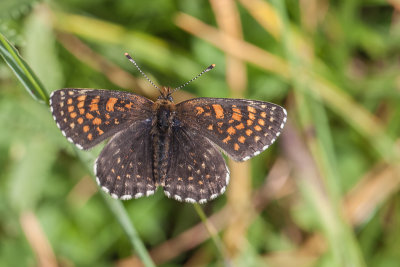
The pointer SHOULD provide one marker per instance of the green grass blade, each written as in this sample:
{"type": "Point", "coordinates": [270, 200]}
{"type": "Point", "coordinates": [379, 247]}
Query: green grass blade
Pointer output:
{"type": "Point", "coordinates": [21, 69]}
{"type": "Point", "coordinates": [214, 234]}
{"type": "Point", "coordinates": [121, 215]}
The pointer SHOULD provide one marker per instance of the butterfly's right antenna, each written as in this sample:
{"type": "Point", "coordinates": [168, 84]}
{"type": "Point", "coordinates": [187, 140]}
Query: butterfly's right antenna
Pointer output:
{"type": "Point", "coordinates": [201, 73]}
{"type": "Point", "coordinates": [144, 74]}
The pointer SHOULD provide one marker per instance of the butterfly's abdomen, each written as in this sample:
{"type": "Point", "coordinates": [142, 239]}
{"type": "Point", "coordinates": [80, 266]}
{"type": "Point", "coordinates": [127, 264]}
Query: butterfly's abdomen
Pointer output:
{"type": "Point", "coordinates": [161, 132]}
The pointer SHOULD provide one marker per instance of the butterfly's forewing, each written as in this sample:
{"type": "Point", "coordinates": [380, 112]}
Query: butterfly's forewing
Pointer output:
{"type": "Point", "coordinates": [87, 117]}
{"type": "Point", "coordinates": [242, 128]}
{"type": "Point", "coordinates": [124, 167]}
{"type": "Point", "coordinates": [197, 171]}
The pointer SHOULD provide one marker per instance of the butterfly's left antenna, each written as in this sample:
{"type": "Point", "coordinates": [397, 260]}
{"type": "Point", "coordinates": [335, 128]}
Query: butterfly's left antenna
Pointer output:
{"type": "Point", "coordinates": [201, 73]}
{"type": "Point", "coordinates": [144, 74]}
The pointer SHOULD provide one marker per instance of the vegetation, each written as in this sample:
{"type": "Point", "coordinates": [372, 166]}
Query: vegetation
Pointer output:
{"type": "Point", "coordinates": [325, 194]}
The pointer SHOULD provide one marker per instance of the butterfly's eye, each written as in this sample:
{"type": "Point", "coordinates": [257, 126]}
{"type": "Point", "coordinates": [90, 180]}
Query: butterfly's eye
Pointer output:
{"type": "Point", "coordinates": [170, 98]}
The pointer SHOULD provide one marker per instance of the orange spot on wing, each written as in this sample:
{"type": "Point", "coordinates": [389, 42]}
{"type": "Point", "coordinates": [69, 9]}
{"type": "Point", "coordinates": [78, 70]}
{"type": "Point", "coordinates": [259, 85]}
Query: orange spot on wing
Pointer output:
{"type": "Point", "coordinates": [210, 127]}
{"type": "Point", "coordinates": [226, 139]}
{"type": "Point", "coordinates": [236, 146]}
{"type": "Point", "coordinates": [237, 116]}
{"type": "Point", "coordinates": [69, 101]}
{"type": "Point", "coordinates": [107, 116]}
{"type": "Point", "coordinates": [257, 138]}
{"type": "Point", "coordinates": [95, 100]}
{"type": "Point", "coordinates": [96, 121]}
{"type": "Point", "coordinates": [81, 104]}
{"type": "Point", "coordinates": [73, 115]}
{"type": "Point", "coordinates": [252, 116]}
{"type": "Point", "coordinates": [70, 108]}
{"type": "Point", "coordinates": [261, 122]}
{"type": "Point", "coordinates": [80, 120]}
{"type": "Point", "coordinates": [236, 110]}
{"type": "Point", "coordinates": [129, 106]}
{"type": "Point", "coordinates": [251, 109]}
{"type": "Point", "coordinates": [219, 111]}
{"type": "Point", "coordinates": [89, 116]}
{"type": "Point", "coordinates": [110, 103]}
{"type": "Point", "coordinates": [81, 98]}
{"type": "Point", "coordinates": [257, 128]}
{"type": "Point", "coordinates": [263, 114]}
{"type": "Point", "coordinates": [231, 131]}
{"type": "Point", "coordinates": [93, 104]}
{"type": "Point", "coordinates": [81, 111]}
{"type": "Point", "coordinates": [241, 139]}
{"type": "Point", "coordinates": [240, 126]}
{"type": "Point", "coordinates": [249, 122]}
{"type": "Point", "coordinates": [90, 137]}
{"type": "Point", "coordinates": [249, 132]}
{"type": "Point", "coordinates": [93, 107]}
{"type": "Point", "coordinates": [220, 124]}
{"type": "Point", "coordinates": [199, 110]}
{"type": "Point", "coordinates": [86, 129]}
{"type": "Point", "coordinates": [99, 130]}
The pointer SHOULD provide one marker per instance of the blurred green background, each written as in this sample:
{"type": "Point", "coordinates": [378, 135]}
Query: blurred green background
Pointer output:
{"type": "Point", "coordinates": [326, 194]}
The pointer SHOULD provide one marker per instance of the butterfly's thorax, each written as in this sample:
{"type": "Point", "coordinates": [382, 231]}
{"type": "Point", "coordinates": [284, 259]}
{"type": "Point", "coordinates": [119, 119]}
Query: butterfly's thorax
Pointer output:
{"type": "Point", "coordinates": [161, 132]}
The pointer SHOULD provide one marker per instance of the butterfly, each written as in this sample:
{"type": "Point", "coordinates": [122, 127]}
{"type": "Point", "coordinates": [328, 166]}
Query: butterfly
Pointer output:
{"type": "Point", "coordinates": [160, 143]}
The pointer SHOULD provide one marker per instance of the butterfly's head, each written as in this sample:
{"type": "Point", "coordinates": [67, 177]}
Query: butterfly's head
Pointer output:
{"type": "Point", "coordinates": [166, 93]}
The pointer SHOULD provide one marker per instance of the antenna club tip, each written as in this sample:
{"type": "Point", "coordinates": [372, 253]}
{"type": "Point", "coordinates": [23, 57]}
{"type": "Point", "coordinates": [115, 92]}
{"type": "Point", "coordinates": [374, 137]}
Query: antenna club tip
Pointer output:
{"type": "Point", "coordinates": [210, 67]}
{"type": "Point", "coordinates": [127, 55]}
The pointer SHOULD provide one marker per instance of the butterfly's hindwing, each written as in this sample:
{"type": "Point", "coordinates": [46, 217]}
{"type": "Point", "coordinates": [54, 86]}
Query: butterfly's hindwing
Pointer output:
{"type": "Point", "coordinates": [123, 168]}
{"type": "Point", "coordinates": [197, 171]}
{"type": "Point", "coordinates": [86, 116]}
{"type": "Point", "coordinates": [242, 128]}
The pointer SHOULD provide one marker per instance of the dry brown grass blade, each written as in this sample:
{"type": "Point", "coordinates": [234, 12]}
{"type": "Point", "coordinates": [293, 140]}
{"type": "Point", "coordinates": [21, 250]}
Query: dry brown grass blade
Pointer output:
{"type": "Point", "coordinates": [113, 72]}
{"type": "Point", "coordinates": [373, 189]}
{"type": "Point", "coordinates": [254, 55]}
{"type": "Point", "coordinates": [265, 15]}
{"type": "Point", "coordinates": [395, 4]}
{"type": "Point", "coordinates": [277, 185]}
{"type": "Point", "coordinates": [185, 241]}
{"type": "Point", "coordinates": [82, 191]}
{"type": "Point", "coordinates": [239, 193]}
{"type": "Point", "coordinates": [38, 240]}
{"type": "Point", "coordinates": [289, 259]}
